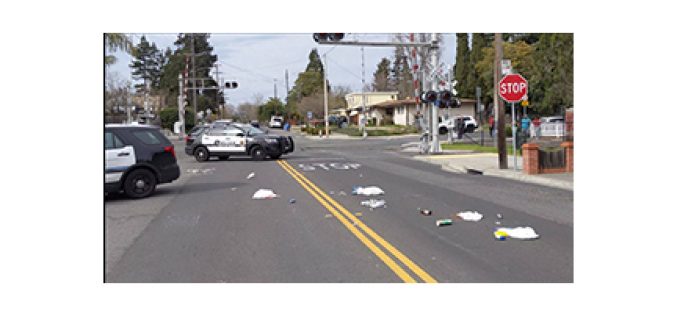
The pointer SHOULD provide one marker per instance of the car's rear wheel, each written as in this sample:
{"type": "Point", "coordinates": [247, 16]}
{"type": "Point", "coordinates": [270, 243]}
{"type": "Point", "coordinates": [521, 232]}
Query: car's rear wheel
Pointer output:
{"type": "Point", "coordinates": [140, 183]}
{"type": "Point", "coordinates": [258, 153]}
{"type": "Point", "coordinates": [201, 154]}
{"type": "Point", "coordinates": [443, 130]}
{"type": "Point", "coordinates": [276, 156]}
{"type": "Point", "coordinates": [470, 129]}
{"type": "Point", "coordinates": [223, 157]}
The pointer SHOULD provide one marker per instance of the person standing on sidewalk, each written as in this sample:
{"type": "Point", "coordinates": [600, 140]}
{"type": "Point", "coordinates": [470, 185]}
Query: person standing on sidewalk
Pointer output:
{"type": "Point", "coordinates": [537, 126]}
{"type": "Point", "coordinates": [525, 125]}
{"type": "Point", "coordinates": [491, 126]}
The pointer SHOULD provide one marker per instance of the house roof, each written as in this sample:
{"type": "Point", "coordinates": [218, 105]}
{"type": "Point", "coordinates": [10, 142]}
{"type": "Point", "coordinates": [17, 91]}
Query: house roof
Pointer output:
{"type": "Point", "coordinates": [395, 103]}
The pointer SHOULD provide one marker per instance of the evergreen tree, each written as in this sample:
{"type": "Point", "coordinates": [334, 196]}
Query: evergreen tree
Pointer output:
{"type": "Point", "coordinates": [382, 79]}
{"type": "Point", "coordinates": [204, 61]}
{"type": "Point", "coordinates": [402, 77]}
{"type": "Point", "coordinates": [462, 67]}
{"type": "Point", "coordinates": [552, 77]}
{"type": "Point", "coordinates": [308, 83]}
{"type": "Point", "coordinates": [145, 66]}
{"type": "Point", "coordinates": [475, 78]}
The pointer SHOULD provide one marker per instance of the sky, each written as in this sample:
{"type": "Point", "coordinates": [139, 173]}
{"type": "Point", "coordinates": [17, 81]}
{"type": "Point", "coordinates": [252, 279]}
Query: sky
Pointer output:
{"type": "Point", "coordinates": [258, 61]}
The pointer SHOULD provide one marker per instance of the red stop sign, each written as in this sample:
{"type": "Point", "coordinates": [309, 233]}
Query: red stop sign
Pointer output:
{"type": "Point", "coordinates": [513, 87]}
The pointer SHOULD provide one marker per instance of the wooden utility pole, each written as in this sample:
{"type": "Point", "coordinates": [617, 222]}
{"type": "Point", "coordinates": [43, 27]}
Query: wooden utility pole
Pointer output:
{"type": "Point", "coordinates": [499, 110]}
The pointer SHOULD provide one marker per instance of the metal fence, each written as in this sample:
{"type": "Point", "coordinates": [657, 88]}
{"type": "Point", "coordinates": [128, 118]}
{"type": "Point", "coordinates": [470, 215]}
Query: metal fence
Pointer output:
{"type": "Point", "coordinates": [550, 129]}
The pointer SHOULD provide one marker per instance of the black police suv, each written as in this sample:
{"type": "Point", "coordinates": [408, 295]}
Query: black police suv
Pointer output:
{"type": "Point", "coordinates": [138, 157]}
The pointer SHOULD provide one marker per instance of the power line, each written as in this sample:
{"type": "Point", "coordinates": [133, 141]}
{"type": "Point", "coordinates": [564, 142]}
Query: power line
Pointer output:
{"type": "Point", "coordinates": [345, 69]}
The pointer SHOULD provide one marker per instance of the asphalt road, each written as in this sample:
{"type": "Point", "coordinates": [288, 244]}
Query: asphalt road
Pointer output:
{"type": "Point", "coordinates": [206, 228]}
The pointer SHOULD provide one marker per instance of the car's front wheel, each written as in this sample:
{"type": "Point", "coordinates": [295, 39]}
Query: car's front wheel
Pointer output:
{"type": "Point", "coordinates": [443, 130]}
{"type": "Point", "coordinates": [140, 183]}
{"type": "Point", "coordinates": [201, 154]}
{"type": "Point", "coordinates": [258, 153]}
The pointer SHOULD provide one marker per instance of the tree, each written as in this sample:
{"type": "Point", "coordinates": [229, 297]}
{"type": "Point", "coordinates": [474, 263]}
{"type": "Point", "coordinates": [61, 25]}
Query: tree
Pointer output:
{"type": "Point", "coordinates": [146, 66]}
{"type": "Point", "coordinates": [462, 67]}
{"type": "Point", "coordinates": [520, 55]}
{"type": "Point", "coordinates": [337, 97]}
{"type": "Point", "coordinates": [552, 76]}
{"type": "Point", "coordinates": [382, 79]}
{"type": "Point", "coordinates": [114, 42]}
{"type": "Point", "coordinates": [403, 79]}
{"type": "Point", "coordinates": [116, 95]}
{"type": "Point", "coordinates": [175, 63]}
{"type": "Point", "coordinates": [475, 78]}
{"type": "Point", "coordinates": [309, 82]}
{"type": "Point", "coordinates": [274, 106]}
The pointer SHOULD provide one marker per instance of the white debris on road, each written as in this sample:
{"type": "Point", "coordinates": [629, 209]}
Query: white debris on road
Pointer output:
{"type": "Point", "coordinates": [367, 191]}
{"type": "Point", "coordinates": [518, 233]}
{"type": "Point", "coordinates": [372, 203]}
{"type": "Point", "coordinates": [263, 194]}
{"type": "Point", "coordinates": [251, 175]}
{"type": "Point", "coordinates": [470, 216]}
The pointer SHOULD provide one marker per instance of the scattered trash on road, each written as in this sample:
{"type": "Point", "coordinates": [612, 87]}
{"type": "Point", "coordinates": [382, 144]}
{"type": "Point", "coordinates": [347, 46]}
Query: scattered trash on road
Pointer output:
{"type": "Point", "coordinates": [367, 191]}
{"type": "Point", "coordinates": [331, 192]}
{"type": "Point", "coordinates": [372, 203]}
{"type": "Point", "coordinates": [358, 214]}
{"type": "Point", "coordinates": [470, 216]}
{"type": "Point", "coordinates": [292, 201]}
{"type": "Point", "coordinates": [233, 189]}
{"type": "Point", "coordinates": [499, 216]}
{"type": "Point", "coordinates": [502, 233]}
{"type": "Point", "coordinates": [251, 175]}
{"type": "Point", "coordinates": [498, 223]}
{"type": "Point", "coordinates": [341, 193]}
{"type": "Point", "coordinates": [327, 215]}
{"type": "Point", "coordinates": [264, 194]}
{"type": "Point", "coordinates": [425, 212]}
{"type": "Point", "coordinates": [444, 222]}
{"type": "Point", "coordinates": [360, 175]}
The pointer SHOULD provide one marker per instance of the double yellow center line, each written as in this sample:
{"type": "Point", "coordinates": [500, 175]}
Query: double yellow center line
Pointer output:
{"type": "Point", "coordinates": [361, 231]}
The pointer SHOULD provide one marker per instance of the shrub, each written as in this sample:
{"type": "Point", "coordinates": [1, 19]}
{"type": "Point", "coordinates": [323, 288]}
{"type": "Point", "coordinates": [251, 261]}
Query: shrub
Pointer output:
{"type": "Point", "coordinates": [170, 115]}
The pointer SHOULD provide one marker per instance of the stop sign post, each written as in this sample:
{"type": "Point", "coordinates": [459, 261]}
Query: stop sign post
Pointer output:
{"type": "Point", "coordinates": [513, 88]}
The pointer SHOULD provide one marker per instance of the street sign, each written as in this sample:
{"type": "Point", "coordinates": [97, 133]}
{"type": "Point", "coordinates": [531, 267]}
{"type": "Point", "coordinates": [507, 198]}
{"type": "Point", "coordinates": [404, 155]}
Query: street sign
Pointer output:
{"type": "Point", "coordinates": [506, 66]}
{"type": "Point", "coordinates": [525, 102]}
{"type": "Point", "coordinates": [310, 115]}
{"type": "Point", "coordinates": [512, 88]}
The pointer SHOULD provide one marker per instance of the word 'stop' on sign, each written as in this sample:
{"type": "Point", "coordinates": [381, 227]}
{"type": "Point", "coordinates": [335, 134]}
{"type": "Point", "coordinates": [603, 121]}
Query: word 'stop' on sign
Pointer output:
{"type": "Point", "coordinates": [513, 88]}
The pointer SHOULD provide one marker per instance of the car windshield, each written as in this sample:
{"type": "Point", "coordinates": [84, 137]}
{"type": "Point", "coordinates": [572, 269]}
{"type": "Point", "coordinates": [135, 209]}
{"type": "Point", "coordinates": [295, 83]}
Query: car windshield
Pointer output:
{"type": "Point", "coordinates": [251, 130]}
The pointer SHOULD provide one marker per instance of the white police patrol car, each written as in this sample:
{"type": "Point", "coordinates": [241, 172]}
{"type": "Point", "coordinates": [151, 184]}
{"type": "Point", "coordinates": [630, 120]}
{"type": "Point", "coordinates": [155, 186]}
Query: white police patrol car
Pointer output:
{"type": "Point", "coordinates": [238, 140]}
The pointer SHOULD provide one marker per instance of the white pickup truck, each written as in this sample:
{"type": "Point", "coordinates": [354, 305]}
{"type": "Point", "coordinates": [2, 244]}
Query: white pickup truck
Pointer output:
{"type": "Point", "coordinates": [448, 125]}
{"type": "Point", "coordinates": [276, 121]}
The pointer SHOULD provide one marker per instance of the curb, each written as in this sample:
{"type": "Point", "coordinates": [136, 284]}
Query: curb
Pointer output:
{"type": "Point", "coordinates": [512, 176]}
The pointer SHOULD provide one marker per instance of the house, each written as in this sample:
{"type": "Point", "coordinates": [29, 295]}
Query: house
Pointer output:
{"type": "Point", "coordinates": [403, 112]}
{"type": "Point", "coordinates": [355, 102]}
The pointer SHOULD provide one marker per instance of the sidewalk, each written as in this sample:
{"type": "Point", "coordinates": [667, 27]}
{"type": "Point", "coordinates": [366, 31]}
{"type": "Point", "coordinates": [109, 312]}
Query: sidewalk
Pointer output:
{"type": "Point", "coordinates": [344, 136]}
{"type": "Point", "coordinates": [487, 164]}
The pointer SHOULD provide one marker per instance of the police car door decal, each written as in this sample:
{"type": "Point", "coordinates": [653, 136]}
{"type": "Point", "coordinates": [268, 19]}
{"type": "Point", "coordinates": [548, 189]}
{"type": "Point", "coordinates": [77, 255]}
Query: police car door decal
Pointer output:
{"type": "Point", "coordinates": [118, 160]}
{"type": "Point", "coordinates": [224, 141]}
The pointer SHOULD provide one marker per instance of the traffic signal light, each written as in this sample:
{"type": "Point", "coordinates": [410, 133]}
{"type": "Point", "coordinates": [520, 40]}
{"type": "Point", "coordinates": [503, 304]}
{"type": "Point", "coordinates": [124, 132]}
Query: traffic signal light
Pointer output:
{"type": "Point", "coordinates": [230, 85]}
{"type": "Point", "coordinates": [324, 37]}
{"type": "Point", "coordinates": [448, 99]}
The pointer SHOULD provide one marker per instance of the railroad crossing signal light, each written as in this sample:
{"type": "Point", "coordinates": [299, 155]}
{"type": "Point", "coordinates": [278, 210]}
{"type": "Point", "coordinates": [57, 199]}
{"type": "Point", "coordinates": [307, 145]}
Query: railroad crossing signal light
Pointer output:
{"type": "Point", "coordinates": [429, 97]}
{"type": "Point", "coordinates": [332, 37]}
{"type": "Point", "coordinates": [230, 85]}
